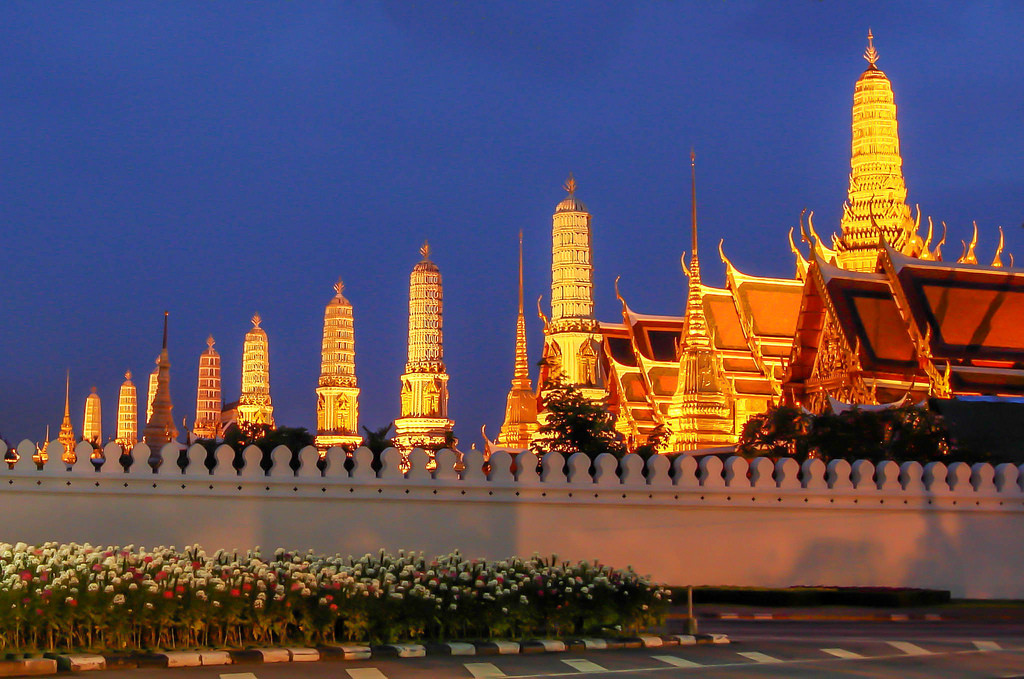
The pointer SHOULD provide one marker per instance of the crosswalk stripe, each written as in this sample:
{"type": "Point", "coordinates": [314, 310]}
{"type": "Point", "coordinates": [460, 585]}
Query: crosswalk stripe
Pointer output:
{"type": "Point", "coordinates": [987, 646]}
{"type": "Point", "coordinates": [238, 675]}
{"type": "Point", "coordinates": [908, 648]}
{"type": "Point", "coordinates": [366, 673]}
{"type": "Point", "coordinates": [480, 670]}
{"type": "Point", "coordinates": [758, 657]}
{"type": "Point", "coordinates": [841, 653]}
{"type": "Point", "coordinates": [676, 661]}
{"type": "Point", "coordinates": [584, 665]}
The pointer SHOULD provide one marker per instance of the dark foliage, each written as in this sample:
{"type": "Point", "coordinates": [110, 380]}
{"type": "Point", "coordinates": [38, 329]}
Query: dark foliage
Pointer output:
{"type": "Point", "coordinates": [576, 424]}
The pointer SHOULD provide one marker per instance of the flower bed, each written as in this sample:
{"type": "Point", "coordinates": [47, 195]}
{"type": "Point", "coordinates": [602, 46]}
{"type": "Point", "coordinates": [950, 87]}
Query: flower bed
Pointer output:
{"type": "Point", "coordinates": [58, 596]}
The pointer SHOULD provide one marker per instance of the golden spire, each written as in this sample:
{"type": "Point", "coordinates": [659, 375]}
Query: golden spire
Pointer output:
{"type": "Point", "coordinates": [337, 396]}
{"type": "Point", "coordinates": [570, 185]}
{"type": "Point", "coordinates": [256, 320]}
{"type": "Point", "coordinates": [695, 331]}
{"type": "Point", "coordinates": [255, 405]}
{"type": "Point", "coordinates": [693, 200]}
{"type": "Point", "coordinates": [67, 432]}
{"type": "Point", "coordinates": [521, 405]}
{"type": "Point", "coordinates": [871, 54]}
{"type": "Point", "coordinates": [339, 287]}
{"type": "Point", "coordinates": [92, 427]}
{"type": "Point", "coordinates": [425, 251]}
{"type": "Point", "coordinates": [127, 413]}
{"type": "Point", "coordinates": [206, 424]}
{"type": "Point", "coordinates": [210, 342]}
{"type": "Point", "coordinates": [160, 428]}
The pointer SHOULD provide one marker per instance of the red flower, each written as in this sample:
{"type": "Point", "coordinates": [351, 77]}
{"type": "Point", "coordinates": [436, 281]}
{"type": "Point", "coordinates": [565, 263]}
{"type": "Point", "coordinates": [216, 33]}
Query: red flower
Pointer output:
{"type": "Point", "coordinates": [72, 602]}
{"type": "Point", "coordinates": [168, 594]}
{"type": "Point", "coordinates": [25, 575]}
{"type": "Point", "coordinates": [160, 575]}
{"type": "Point", "coordinates": [235, 592]}
{"type": "Point", "coordinates": [247, 587]}
{"type": "Point", "coordinates": [334, 607]}
{"type": "Point", "coordinates": [180, 589]}
{"type": "Point", "coordinates": [147, 559]}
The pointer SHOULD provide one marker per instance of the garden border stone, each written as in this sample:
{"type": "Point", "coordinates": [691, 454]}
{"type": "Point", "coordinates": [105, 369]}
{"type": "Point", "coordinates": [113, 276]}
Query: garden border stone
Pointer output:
{"type": "Point", "coordinates": [215, 658]}
{"type": "Point", "coordinates": [78, 662]}
{"type": "Point", "coordinates": [303, 654]}
{"type": "Point", "coordinates": [452, 648]}
{"type": "Point", "coordinates": [398, 651]}
{"type": "Point", "coordinates": [27, 667]}
{"type": "Point", "coordinates": [344, 652]}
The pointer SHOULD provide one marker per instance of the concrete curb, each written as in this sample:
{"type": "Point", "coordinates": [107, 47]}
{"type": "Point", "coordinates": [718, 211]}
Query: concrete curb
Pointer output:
{"type": "Point", "coordinates": [880, 617]}
{"type": "Point", "coordinates": [81, 662]}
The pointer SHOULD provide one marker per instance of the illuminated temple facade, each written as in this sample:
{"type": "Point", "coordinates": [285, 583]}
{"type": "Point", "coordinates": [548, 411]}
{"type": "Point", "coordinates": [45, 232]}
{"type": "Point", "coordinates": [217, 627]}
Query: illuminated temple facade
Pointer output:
{"type": "Point", "coordinates": [160, 427]}
{"type": "Point", "coordinates": [208, 394]}
{"type": "Point", "coordinates": [520, 423]}
{"type": "Point", "coordinates": [337, 395]}
{"type": "Point", "coordinates": [254, 405]}
{"type": "Point", "coordinates": [127, 413]}
{"type": "Point", "coordinates": [424, 422]}
{"type": "Point", "coordinates": [92, 420]}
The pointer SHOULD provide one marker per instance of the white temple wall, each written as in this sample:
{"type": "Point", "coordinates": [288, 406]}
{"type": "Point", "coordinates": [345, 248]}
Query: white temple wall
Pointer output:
{"type": "Point", "coordinates": [960, 528]}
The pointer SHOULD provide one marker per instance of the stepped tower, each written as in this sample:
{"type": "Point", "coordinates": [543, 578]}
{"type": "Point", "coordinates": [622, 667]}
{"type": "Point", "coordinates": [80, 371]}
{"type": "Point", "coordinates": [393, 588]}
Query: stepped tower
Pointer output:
{"type": "Point", "coordinates": [255, 405]}
{"type": "Point", "coordinates": [208, 398]}
{"type": "Point", "coordinates": [127, 413]}
{"type": "Point", "coordinates": [67, 432]}
{"type": "Point", "coordinates": [92, 422]}
{"type": "Point", "coordinates": [160, 427]}
{"type": "Point", "coordinates": [876, 201]}
{"type": "Point", "coordinates": [700, 415]}
{"type": "Point", "coordinates": [521, 405]}
{"type": "Point", "coordinates": [151, 391]}
{"type": "Point", "coordinates": [424, 422]}
{"type": "Point", "coordinates": [337, 396]}
{"type": "Point", "coordinates": [572, 341]}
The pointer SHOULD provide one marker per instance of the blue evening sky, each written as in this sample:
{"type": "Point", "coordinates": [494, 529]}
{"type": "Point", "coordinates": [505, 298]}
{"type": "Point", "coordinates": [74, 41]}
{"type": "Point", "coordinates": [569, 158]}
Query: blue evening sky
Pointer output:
{"type": "Point", "coordinates": [217, 159]}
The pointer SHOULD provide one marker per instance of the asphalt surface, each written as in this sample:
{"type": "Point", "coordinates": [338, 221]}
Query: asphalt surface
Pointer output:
{"type": "Point", "coordinates": [759, 649]}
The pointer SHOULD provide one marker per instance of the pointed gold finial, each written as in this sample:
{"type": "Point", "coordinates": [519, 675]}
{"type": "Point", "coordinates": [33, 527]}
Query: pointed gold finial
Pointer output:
{"type": "Point", "coordinates": [210, 342]}
{"type": "Point", "coordinates": [339, 287]}
{"type": "Point", "coordinates": [871, 54]}
{"type": "Point", "coordinates": [997, 261]}
{"type": "Point", "coordinates": [256, 320]}
{"type": "Point", "coordinates": [570, 185]}
{"type": "Point", "coordinates": [127, 374]}
{"type": "Point", "coordinates": [425, 250]}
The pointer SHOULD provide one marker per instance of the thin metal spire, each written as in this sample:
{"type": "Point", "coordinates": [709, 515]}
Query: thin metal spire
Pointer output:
{"type": "Point", "coordinates": [693, 199]}
{"type": "Point", "coordinates": [166, 314]}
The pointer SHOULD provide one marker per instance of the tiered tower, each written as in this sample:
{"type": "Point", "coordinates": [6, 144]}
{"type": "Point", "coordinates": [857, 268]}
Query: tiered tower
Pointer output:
{"type": "Point", "coordinates": [876, 203]}
{"type": "Point", "coordinates": [160, 427]}
{"type": "Point", "coordinates": [67, 432]}
{"type": "Point", "coordinates": [92, 427]}
{"type": "Point", "coordinates": [700, 414]}
{"type": "Point", "coordinates": [208, 401]}
{"type": "Point", "coordinates": [521, 406]}
{"type": "Point", "coordinates": [127, 413]}
{"type": "Point", "coordinates": [572, 341]}
{"type": "Point", "coordinates": [255, 406]}
{"type": "Point", "coordinates": [151, 391]}
{"type": "Point", "coordinates": [337, 396]}
{"type": "Point", "coordinates": [424, 422]}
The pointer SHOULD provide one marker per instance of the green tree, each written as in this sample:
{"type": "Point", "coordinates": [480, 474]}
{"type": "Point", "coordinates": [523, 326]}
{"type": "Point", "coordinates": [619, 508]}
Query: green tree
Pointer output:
{"type": "Point", "coordinates": [656, 440]}
{"type": "Point", "coordinates": [576, 424]}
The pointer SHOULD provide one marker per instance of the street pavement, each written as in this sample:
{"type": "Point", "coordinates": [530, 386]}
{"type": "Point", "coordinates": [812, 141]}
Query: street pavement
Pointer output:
{"type": "Point", "coordinates": [759, 649]}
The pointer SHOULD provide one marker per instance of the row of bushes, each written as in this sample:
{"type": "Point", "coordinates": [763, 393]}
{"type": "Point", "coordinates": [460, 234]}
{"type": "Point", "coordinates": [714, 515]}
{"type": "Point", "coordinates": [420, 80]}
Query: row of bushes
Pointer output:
{"type": "Point", "coordinates": [58, 596]}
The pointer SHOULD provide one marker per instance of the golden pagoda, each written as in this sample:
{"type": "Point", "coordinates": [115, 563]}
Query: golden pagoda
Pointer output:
{"type": "Point", "coordinates": [67, 433]}
{"type": "Point", "coordinates": [160, 427]}
{"type": "Point", "coordinates": [127, 413]}
{"type": "Point", "coordinates": [424, 422]}
{"type": "Point", "coordinates": [208, 398]}
{"type": "Point", "coordinates": [701, 414]}
{"type": "Point", "coordinates": [572, 341]}
{"type": "Point", "coordinates": [254, 405]}
{"type": "Point", "coordinates": [876, 205]}
{"type": "Point", "coordinates": [151, 391]}
{"type": "Point", "coordinates": [337, 396]}
{"type": "Point", "coordinates": [92, 428]}
{"type": "Point", "coordinates": [521, 406]}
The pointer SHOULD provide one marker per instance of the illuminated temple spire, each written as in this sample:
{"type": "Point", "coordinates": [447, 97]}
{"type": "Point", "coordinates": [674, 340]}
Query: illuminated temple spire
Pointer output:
{"type": "Point", "coordinates": [255, 406]}
{"type": "Point", "coordinates": [160, 428]}
{"type": "Point", "coordinates": [92, 428]}
{"type": "Point", "coordinates": [521, 406]}
{"type": "Point", "coordinates": [127, 413]}
{"type": "Point", "coordinates": [700, 415]}
{"type": "Point", "coordinates": [67, 432]}
{"type": "Point", "coordinates": [208, 396]}
{"type": "Point", "coordinates": [572, 342]}
{"type": "Point", "coordinates": [424, 422]}
{"type": "Point", "coordinates": [337, 396]}
{"type": "Point", "coordinates": [876, 201]}
{"type": "Point", "coordinates": [151, 390]}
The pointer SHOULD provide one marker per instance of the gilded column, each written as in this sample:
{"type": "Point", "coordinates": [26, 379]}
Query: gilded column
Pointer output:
{"type": "Point", "coordinates": [160, 427]}
{"type": "Point", "coordinates": [572, 343]}
{"type": "Point", "coordinates": [337, 396]}
{"type": "Point", "coordinates": [876, 201]}
{"type": "Point", "coordinates": [208, 396]}
{"type": "Point", "coordinates": [127, 413]}
{"type": "Point", "coordinates": [92, 427]}
{"type": "Point", "coordinates": [700, 415]}
{"type": "Point", "coordinates": [424, 422]}
{"type": "Point", "coordinates": [255, 406]}
{"type": "Point", "coordinates": [521, 405]}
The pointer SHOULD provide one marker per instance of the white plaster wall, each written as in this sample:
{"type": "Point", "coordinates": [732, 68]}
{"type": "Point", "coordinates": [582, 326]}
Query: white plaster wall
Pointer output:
{"type": "Point", "coordinates": [958, 529]}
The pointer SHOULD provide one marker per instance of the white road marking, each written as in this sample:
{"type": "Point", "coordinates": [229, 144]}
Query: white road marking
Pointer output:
{"type": "Point", "coordinates": [366, 673]}
{"type": "Point", "coordinates": [238, 675]}
{"type": "Point", "coordinates": [483, 669]}
{"type": "Point", "coordinates": [908, 648]}
{"type": "Point", "coordinates": [675, 661]}
{"type": "Point", "coordinates": [581, 665]}
{"type": "Point", "coordinates": [842, 653]}
{"type": "Point", "coordinates": [987, 646]}
{"type": "Point", "coordinates": [758, 657]}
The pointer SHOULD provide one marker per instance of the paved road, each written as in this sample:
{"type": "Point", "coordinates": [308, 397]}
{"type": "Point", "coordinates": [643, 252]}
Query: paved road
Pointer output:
{"type": "Point", "coordinates": [759, 649]}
